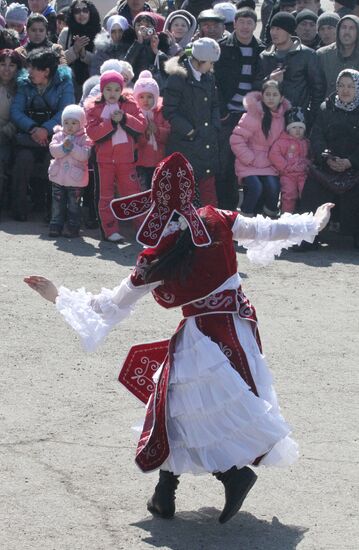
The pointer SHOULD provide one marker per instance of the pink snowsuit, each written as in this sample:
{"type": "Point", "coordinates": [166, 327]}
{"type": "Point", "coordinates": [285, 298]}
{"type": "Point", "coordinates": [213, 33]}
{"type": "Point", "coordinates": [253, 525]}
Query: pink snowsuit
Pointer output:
{"type": "Point", "coordinates": [289, 155]}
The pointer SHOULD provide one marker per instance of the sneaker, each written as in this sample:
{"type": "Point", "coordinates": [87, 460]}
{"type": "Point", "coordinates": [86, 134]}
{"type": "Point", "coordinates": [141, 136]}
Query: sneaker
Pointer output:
{"type": "Point", "coordinates": [116, 238]}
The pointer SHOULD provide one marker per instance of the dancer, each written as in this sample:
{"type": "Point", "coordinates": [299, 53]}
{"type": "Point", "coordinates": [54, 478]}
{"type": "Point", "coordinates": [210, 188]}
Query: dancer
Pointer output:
{"type": "Point", "coordinates": [211, 407]}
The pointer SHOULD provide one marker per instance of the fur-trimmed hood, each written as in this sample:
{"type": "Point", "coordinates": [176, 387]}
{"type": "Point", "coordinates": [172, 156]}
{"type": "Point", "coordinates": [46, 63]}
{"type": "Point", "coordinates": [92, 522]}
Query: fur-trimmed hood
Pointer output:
{"type": "Point", "coordinates": [252, 103]}
{"type": "Point", "coordinates": [63, 74]}
{"type": "Point", "coordinates": [175, 66]}
{"type": "Point", "coordinates": [103, 42]}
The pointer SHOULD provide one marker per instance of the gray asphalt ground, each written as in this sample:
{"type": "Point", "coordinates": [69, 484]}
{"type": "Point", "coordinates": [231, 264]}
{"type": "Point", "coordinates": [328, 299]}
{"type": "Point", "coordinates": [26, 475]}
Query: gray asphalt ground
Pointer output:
{"type": "Point", "coordinates": [68, 479]}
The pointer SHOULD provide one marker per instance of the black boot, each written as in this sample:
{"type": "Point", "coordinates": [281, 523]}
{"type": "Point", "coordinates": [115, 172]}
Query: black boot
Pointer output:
{"type": "Point", "coordinates": [162, 502]}
{"type": "Point", "coordinates": [237, 484]}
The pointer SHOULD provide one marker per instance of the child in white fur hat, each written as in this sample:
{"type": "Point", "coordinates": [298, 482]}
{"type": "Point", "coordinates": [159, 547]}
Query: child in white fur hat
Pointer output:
{"type": "Point", "coordinates": [68, 171]}
{"type": "Point", "coordinates": [151, 144]}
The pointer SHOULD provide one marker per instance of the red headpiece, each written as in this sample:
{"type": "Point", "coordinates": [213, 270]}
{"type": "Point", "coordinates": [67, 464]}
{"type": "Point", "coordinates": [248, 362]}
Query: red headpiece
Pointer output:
{"type": "Point", "coordinates": [172, 191]}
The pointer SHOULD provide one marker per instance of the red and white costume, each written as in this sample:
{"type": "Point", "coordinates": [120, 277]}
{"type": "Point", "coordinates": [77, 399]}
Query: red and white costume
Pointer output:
{"type": "Point", "coordinates": [212, 404]}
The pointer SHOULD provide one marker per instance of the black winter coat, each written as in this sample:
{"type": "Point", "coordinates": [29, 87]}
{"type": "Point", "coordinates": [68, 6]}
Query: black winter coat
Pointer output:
{"type": "Point", "coordinates": [336, 130]}
{"type": "Point", "coordinates": [228, 68]}
{"type": "Point", "coordinates": [192, 105]}
{"type": "Point", "coordinates": [304, 80]}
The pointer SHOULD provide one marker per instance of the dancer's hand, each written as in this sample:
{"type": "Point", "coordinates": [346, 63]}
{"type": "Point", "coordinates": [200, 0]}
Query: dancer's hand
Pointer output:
{"type": "Point", "coordinates": [322, 214]}
{"type": "Point", "coordinates": [43, 286]}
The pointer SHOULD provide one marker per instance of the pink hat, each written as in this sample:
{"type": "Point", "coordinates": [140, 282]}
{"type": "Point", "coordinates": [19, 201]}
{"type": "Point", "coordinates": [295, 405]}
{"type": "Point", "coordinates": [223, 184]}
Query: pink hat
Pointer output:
{"type": "Point", "coordinates": [146, 83]}
{"type": "Point", "coordinates": [172, 192]}
{"type": "Point", "coordinates": [111, 76]}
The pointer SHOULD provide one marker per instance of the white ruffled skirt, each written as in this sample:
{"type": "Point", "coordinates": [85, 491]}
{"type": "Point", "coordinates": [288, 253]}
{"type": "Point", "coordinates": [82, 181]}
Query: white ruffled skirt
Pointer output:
{"type": "Point", "coordinates": [214, 420]}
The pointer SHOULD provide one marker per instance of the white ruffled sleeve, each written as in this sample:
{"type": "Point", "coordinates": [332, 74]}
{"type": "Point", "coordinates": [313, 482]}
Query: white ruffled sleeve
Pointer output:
{"type": "Point", "coordinates": [265, 238]}
{"type": "Point", "coordinates": [93, 316]}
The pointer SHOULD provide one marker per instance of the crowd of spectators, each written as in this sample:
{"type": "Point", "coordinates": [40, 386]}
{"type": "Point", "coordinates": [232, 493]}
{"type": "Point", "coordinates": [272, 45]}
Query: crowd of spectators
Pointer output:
{"type": "Point", "coordinates": [93, 94]}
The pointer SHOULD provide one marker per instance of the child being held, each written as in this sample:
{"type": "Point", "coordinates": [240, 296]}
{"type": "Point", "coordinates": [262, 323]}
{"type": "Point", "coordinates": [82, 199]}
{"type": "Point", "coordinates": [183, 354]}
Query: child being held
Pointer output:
{"type": "Point", "coordinates": [289, 155]}
{"type": "Point", "coordinates": [151, 144]}
{"type": "Point", "coordinates": [68, 171]}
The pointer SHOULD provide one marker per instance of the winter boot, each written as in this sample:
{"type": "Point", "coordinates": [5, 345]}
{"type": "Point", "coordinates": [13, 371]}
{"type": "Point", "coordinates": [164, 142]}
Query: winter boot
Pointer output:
{"type": "Point", "coordinates": [162, 502]}
{"type": "Point", "coordinates": [237, 484]}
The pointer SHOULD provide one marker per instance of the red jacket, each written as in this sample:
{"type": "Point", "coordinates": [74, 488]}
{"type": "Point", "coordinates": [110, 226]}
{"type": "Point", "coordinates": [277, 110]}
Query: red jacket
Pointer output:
{"type": "Point", "coordinates": [147, 156]}
{"type": "Point", "coordinates": [101, 131]}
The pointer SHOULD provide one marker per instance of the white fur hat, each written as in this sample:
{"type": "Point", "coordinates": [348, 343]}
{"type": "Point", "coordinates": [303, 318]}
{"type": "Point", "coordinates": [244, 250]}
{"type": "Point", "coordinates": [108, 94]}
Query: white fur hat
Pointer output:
{"type": "Point", "coordinates": [227, 10]}
{"type": "Point", "coordinates": [146, 83]}
{"type": "Point", "coordinates": [76, 112]}
{"type": "Point", "coordinates": [206, 49]}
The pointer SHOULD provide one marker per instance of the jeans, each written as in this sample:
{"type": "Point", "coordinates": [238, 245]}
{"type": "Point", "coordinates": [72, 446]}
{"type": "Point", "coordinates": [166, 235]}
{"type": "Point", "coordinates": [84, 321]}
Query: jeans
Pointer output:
{"type": "Point", "coordinates": [66, 206]}
{"type": "Point", "coordinates": [260, 191]}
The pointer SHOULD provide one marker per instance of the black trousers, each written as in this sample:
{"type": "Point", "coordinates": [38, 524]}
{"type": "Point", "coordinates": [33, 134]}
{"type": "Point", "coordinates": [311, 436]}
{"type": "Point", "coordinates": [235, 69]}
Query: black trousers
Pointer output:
{"type": "Point", "coordinates": [226, 180]}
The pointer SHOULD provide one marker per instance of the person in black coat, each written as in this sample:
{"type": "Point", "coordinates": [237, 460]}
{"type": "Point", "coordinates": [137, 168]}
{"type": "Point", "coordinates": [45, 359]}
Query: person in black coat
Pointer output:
{"type": "Point", "coordinates": [336, 134]}
{"type": "Point", "coordinates": [190, 104]}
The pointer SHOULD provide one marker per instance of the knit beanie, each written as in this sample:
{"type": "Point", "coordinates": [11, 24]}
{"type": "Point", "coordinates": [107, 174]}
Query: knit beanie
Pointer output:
{"type": "Point", "coordinates": [284, 20]}
{"type": "Point", "coordinates": [226, 10]}
{"type": "Point", "coordinates": [146, 84]}
{"type": "Point", "coordinates": [16, 13]}
{"type": "Point", "coordinates": [329, 18]}
{"type": "Point", "coordinates": [306, 15]}
{"type": "Point", "coordinates": [116, 20]}
{"type": "Point", "coordinates": [206, 49]}
{"type": "Point", "coordinates": [111, 76]}
{"type": "Point", "coordinates": [76, 112]}
{"type": "Point", "coordinates": [295, 116]}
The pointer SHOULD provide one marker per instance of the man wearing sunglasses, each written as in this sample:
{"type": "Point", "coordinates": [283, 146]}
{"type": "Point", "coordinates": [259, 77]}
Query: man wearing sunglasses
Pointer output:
{"type": "Point", "coordinates": [43, 7]}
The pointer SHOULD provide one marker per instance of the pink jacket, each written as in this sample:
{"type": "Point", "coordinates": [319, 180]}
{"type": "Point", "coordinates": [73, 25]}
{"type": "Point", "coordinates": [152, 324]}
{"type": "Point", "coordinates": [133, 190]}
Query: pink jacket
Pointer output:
{"type": "Point", "coordinates": [290, 155]}
{"type": "Point", "coordinates": [70, 169]}
{"type": "Point", "coordinates": [147, 156]}
{"type": "Point", "coordinates": [249, 144]}
{"type": "Point", "coordinates": [101, 131]}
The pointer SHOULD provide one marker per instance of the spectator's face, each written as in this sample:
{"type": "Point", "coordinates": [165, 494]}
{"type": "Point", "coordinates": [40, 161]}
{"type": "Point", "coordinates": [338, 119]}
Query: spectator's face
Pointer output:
{"type": "Point", "coordinates": [81, 13]}
{"type": "Point", "coordinates": [38, 6]}
{"type": "Point", "coordinates": [348, 33]}
{"type": "Point", "coordinates": [18, 27]}
{"type": "Point", "coordinates": [346, 89]}
{"type": "Point", "coordinates": [271, 98]}
{"type": "Point", "coordinates": [37, 76]}
{"type": "Point", "coordinates": [244, 28]}
{"type": "Point", "coordinates": [287, 7]}
{"type": "Point", "coordinates": [116, 34]}
{"type": "Point", "coordinates": [71, 126]}
{"type": "Point", "coordinates": [296, 130]}
{"type": "Point", "coordinates": [37, 33]}
{"type": "Point", "coordinates": [145, 101]}
{"type": "Point", "coordinates": [211, 29]}
{"type": "Point", "coordinates": [179, 28]}
{"type": "Point", "coordinates": [112, 92]}
{"type": "Point", "coordinates": [327, 34]}
{"type": "Point", "coordinates": [8, 70]}
{"type": "Point", "coordinates": [136, 5]}
{"type": "Point", "coordinates": [279, 36]}
{"type": "Point", "coordinates": [307, 5]}
{"type": "Point", "coordinates": [306, 31]}
{"type": "Point", "coordinates": [205, 67]}
{"type": "Point", "coordinates": [60, 24]}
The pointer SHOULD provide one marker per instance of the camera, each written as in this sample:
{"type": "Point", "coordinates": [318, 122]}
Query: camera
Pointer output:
{"type": "Point", "coordinates": [149, 31]}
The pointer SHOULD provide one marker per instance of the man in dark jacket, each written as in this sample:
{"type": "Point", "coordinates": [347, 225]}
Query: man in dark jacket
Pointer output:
{"type": "Point", "coordinates": [293, 64]}
{"type": "Point", "coordinates": [306, 29]}
{"type": "Point", "coordinates": [234, 74]}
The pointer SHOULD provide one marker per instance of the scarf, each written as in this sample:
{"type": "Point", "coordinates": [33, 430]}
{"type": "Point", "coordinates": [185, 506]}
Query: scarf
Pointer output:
{"type": "Point", "coordinates": [120, 135]}
{"type": "Point", "coordinates": [149, 116]}
{"type": "Point", "coordinates": [354, 75]}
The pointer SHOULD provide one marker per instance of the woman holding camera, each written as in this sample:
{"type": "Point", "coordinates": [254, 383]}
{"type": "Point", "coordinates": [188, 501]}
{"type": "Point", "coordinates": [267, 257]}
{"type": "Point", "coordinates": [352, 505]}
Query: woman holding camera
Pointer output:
{"type": "Point", "coordinates": [43, 91]}
{"type": "Point", "coordinates": [335, 145]}
{"type": "Point", "coordinates": [149, 50]}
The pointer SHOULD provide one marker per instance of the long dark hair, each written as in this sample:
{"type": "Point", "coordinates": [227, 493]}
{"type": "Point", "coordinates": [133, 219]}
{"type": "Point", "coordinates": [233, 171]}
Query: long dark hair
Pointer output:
{"type": "Point", "coordinates": [91, 28]}
{"type": "Point", "coordinates": [267, 117]}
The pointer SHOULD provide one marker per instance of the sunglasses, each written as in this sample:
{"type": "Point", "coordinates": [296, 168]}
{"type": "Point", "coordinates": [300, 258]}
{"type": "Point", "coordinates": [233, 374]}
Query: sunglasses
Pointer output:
{"type": "Point", "coordinates": [77, 11]}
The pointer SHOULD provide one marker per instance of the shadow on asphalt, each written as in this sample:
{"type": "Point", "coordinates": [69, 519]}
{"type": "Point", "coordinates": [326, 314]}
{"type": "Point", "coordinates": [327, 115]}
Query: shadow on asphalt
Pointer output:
{"type": "Point", "coordinates": [201, 531]}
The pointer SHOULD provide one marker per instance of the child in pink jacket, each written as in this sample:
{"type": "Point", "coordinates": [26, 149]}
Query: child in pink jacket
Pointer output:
{"type": "Point", "coordinates": [114, 121]}
{"type": "Point", "coordinates": [151, 144]}
{"type": "Point", "coordinates": [289, 155]}
{"type": "Point", "coordinates": [68, 171]}
{"type": "Point", "coordinates": [251, 141]}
